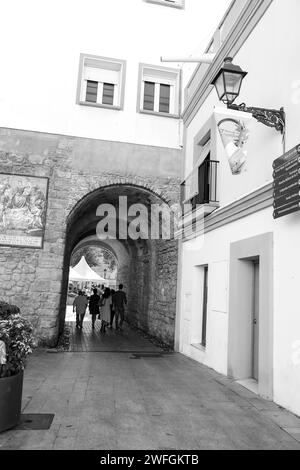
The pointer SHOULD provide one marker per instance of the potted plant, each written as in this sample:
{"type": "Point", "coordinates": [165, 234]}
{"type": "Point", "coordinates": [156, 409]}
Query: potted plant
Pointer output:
{"type": "Point", "coordinates": [16, 342]}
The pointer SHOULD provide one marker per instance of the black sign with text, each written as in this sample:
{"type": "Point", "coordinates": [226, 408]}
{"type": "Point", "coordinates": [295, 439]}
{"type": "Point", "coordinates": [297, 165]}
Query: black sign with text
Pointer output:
{"type": "Point", "coordinates": [286, 184]}
{"type": "Point", "coordinates": [287, 157]}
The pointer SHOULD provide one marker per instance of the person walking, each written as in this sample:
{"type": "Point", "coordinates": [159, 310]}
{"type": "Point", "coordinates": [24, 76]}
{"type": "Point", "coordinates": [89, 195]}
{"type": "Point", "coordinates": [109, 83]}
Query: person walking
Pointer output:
{"type": "Point", "coordinates": [79, 306]}
{"type": "Point", "coordinates": [94, 306]}
{"type": "Point", "coordinates": [112, 308]}
{"type": "Point", "coordinates": [101, 290]}
{"type": "Point", "coordinates": [119, 302]}
{"type": "Point", "coordinates": [105, 309]}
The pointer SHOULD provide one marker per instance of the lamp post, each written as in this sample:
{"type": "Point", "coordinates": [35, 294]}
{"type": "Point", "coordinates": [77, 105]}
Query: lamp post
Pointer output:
{"type": "Point", "coordinates": [228, 82]}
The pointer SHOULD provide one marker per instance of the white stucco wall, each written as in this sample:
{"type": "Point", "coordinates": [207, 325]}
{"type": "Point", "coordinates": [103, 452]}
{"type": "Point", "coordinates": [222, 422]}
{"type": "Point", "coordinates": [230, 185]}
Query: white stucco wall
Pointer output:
{"type": "Point", "coordinates": [270, 56]}
{"type": "Point", "coordinates": [215, 252]}
{"type": "Point", "coordinates": [287, 313]}
{"type": "Point", "coordinates": [40, 58]}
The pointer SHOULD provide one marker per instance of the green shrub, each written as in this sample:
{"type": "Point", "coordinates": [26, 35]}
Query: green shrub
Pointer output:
{"type": "Point", "coordinates": [17, 335]}
{"type": "Point", "coordinates": [6, 310]}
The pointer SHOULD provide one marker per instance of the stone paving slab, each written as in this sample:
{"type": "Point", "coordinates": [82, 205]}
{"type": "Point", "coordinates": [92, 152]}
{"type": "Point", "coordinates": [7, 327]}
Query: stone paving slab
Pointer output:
{"type": "Point", "coordinates": [294, 432]}
{"type": "Point", "coordinates": [108, 401]}
{"type": "Point", "coordinates": [89, 340]}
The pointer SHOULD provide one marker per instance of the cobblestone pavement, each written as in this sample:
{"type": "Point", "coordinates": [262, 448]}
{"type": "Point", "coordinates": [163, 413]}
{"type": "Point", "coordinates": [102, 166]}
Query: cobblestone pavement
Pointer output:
{"type": "Point", "coordinates": [111, 399]}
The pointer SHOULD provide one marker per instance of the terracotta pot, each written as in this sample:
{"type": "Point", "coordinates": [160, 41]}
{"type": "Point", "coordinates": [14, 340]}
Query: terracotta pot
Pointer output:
{"type": "Point", "coordinates": [10, 401]}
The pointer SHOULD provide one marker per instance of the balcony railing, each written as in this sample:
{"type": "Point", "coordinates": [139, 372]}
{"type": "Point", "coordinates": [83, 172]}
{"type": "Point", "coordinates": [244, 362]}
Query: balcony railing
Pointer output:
{"type": "Point", "coordinates": [200, 187]}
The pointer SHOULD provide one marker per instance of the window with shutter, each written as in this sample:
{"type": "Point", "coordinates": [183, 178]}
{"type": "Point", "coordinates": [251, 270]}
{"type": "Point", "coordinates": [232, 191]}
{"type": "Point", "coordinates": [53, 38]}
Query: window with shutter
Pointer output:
{"type": "Point", "coordinates": [159, 90]}
{"type": "Point", "coordinates": [108, 94]}
{"type": "Point", "coordinates": [101, 82]}
{"type": "Point", "coordinates": [164, 99]}
{"type": "Point", "coordinates": [149, 89]}
{"type": "Point", "coordinates": [91, 91]}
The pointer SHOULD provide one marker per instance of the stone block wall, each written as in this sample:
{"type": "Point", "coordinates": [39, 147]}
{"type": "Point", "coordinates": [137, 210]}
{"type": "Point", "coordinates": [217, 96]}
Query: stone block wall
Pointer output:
{"type": "Point", "coordinates": [32, 278]}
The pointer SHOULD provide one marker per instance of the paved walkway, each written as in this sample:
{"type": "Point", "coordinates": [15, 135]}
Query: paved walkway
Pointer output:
{"type": "Point", "coordinates": [113, 400]}
{"type": "Point", "coordinates": [89, 340]}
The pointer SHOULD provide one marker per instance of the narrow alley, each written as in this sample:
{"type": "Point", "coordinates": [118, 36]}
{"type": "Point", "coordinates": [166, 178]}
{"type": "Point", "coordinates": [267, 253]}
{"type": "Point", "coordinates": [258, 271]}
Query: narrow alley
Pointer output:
{"type": "Point", "coordinates": [126, 393]}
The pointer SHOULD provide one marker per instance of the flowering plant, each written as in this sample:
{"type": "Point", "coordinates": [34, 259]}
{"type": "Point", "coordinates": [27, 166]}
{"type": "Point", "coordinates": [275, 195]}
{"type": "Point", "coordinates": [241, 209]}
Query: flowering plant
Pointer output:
{"type": "Point", "coordinates": [16, 340]}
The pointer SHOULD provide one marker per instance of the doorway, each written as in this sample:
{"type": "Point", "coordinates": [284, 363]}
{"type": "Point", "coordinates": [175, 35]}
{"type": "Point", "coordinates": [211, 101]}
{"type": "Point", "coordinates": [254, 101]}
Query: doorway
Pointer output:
{"type": "Point", "coordinates": [250, 328]}
{"type": "Point", "coordinates": [205, 296]}
{"type": "Point", "coordinates": [255, 322]}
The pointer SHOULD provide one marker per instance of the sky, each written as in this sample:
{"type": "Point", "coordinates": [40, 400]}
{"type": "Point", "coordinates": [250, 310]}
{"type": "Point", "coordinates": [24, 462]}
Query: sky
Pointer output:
{"type": "Point", "coordinates": [39, 24]}
{"type": "Point", "coordinates": [36, 35]}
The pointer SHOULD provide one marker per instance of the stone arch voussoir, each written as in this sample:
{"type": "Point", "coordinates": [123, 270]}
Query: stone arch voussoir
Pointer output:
{"type": "Point", "coordinates": [122, 181]}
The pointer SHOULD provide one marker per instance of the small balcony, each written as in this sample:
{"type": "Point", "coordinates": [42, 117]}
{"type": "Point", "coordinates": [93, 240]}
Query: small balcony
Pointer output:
{"type": "Point", "coordinates": [198, 196]}
{"type": "Point", "coordinates": [200, 187]}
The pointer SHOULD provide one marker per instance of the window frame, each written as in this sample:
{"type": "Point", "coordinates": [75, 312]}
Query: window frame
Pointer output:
{"type": "Point", "coordinates": [180, 4]}
{"type": "Point", "coordinates": [204, 146]}
{"type": "Point", "coordinates": [175, 90]}
{"type": "Point", "coordinates": [202, 140]}
{"type": "Point", "coordinates": [119, 88]}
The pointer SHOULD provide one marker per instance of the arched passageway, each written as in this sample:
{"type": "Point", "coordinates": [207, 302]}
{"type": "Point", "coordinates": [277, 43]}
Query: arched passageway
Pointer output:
{"type": "Point", "coordinates": [102, 259]}
{"type": "Point", "coordinates": [147, 267]}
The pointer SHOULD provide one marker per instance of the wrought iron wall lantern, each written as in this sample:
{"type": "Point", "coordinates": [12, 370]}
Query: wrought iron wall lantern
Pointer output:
{"type": "Point", "coordinates": [228, 84]}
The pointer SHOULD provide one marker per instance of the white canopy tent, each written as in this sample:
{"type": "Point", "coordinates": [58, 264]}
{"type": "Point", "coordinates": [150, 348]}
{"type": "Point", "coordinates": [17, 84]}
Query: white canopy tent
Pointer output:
{"type": "Point", "coordinates": [74, 276]}
{"type": "Point", "coordinates": [83, 272]}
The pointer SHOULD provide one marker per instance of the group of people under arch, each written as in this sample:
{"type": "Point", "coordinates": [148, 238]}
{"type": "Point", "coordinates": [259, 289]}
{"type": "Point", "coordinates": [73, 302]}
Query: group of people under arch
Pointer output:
{"type": "Point", "coordinates": [107, 306]}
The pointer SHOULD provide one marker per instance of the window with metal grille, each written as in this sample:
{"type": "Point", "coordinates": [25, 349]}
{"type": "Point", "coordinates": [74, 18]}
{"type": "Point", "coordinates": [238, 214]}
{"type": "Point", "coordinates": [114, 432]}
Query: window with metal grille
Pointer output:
{"type": "Point", "coordinates": [200, 187]}
{"type": "Point", "coordinates": [91, 91]}
{"type": "Point", "coordinates": [108, 93]}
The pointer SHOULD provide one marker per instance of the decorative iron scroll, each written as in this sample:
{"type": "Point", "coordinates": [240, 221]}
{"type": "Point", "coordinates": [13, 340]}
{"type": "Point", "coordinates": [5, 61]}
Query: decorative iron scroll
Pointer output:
{"type": "Point", "coordinates": [269, 117]}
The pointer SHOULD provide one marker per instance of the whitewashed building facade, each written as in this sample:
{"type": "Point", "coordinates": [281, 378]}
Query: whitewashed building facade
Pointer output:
{"type": "Point", "coordinates": [239, 277]}
{"type": "Point", "coordinates": [90, 114]}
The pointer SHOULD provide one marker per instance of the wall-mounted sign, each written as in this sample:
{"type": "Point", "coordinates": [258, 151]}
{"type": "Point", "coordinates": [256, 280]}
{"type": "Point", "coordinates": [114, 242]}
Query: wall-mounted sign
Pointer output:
{"type": "Point", "coordinates": [234, 135]}
{"type": "Point", "coordinates": [234, 128]}
{"type": "Point", "coordinates": [23, 204]}
{"type": "Point", "coordinates": [286, 176]}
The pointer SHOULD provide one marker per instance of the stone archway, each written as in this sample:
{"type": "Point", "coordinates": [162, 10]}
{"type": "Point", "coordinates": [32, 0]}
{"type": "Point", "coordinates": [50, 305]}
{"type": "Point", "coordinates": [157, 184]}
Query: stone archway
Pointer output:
{"type": "Point", "coordinates": [78, 171]}
{"type": "Point", "coordinates": [147, 268]}
{"type": "Point", "coordinates": [94, 251]}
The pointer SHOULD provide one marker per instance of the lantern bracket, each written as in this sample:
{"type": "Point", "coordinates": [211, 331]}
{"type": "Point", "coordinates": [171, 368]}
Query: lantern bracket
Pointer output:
{"type": "Point", "coordinates": [269, 117]}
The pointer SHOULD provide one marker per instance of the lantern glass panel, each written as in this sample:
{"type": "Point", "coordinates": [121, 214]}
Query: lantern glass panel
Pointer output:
{"type": "Point", "coordinates": [220, 86]}
{"type": "Point", "coordinates": [233, 82]}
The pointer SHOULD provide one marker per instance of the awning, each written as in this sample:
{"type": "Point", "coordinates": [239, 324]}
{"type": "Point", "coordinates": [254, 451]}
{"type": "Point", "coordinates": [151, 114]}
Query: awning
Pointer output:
{"type": "Point", "coordinates": [83, 272]}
